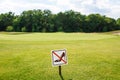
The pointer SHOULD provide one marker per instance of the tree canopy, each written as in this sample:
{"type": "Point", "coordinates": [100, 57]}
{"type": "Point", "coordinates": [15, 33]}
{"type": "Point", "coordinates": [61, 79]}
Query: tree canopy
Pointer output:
{"type": "Point", "coordinates": [68, 21]}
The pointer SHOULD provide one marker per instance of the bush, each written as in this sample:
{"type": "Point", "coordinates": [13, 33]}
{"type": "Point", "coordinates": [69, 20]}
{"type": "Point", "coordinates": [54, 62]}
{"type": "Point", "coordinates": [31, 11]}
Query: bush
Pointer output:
{"type": "Point", "coordinates": [9, 28]}
{"type": "Point", "coordinates": [23, 29]}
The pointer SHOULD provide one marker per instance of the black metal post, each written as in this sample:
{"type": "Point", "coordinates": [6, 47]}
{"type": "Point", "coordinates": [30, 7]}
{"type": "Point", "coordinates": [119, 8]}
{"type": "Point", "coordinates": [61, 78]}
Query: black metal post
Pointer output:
{"type": "Point", "coordinates": [60, 70]}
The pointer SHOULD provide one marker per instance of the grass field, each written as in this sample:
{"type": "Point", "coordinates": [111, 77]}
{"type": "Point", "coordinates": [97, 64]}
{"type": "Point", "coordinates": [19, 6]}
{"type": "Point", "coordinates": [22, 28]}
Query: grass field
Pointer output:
{"type": "Point", "coordinates": [91, 56]}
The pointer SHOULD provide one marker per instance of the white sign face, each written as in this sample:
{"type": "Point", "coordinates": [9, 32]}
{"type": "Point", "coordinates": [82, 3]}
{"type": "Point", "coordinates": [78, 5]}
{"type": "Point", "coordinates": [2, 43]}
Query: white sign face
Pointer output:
{"type": "Point", "coordinates": [59, 57]}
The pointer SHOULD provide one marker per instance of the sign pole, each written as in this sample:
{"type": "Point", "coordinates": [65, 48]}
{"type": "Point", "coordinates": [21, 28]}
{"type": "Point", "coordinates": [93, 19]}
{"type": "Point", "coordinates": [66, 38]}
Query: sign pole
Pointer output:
{"type": "Point", "coordinates": [60, 70]}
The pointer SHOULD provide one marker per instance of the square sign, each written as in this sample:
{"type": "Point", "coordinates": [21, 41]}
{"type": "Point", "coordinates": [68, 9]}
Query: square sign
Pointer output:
{"type": "Point", "coordinates": [59, 57]}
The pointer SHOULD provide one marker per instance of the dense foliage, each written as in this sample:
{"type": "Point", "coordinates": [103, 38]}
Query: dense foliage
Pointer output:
{"type": "Point", "coordinates": [46, 21]}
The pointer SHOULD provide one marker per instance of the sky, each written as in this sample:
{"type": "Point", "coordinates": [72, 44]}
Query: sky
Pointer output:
{"type": "Point", "coordinates": [110, 8]}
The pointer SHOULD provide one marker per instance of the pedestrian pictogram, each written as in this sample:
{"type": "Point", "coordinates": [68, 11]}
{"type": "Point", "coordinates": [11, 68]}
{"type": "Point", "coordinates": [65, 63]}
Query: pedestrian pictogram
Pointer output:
{"type": "Point", "coordinates": [59, 57]}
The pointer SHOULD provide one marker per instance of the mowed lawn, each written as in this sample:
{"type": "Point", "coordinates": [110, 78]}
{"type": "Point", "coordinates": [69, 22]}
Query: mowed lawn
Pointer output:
{"type": "Point", "coordinates": [91, 56]}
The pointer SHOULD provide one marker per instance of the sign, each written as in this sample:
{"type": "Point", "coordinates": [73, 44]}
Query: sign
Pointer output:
{"type": "Point", "coordinates": [59, 57]}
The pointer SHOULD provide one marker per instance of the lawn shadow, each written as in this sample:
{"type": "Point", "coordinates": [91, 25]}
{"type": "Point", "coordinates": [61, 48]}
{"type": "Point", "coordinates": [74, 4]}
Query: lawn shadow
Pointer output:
{"type": "Point", "coordinates": [61, 77]}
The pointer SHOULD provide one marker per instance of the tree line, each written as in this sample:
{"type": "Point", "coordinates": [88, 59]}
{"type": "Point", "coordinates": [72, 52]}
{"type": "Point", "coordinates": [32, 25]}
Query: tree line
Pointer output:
{"type": "Point", "coordinates": [45, 21]}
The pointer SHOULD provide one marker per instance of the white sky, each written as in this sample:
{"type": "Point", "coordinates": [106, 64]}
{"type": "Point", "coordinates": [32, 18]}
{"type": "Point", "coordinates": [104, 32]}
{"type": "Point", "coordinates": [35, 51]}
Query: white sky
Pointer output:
{"type": "Point", "coordinates": [110, 8]}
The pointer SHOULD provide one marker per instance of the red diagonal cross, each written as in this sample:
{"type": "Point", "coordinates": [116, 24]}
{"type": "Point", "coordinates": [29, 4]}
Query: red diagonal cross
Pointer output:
{"type": "Point", "coordinates": [59, 57]}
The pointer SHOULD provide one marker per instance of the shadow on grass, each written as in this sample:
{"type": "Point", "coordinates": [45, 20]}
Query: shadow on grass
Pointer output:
{"type": "Point", "coordinates": [15, 33]}
{"type": "Point", "coordinates": [60, 73]}
{"type": "Point", "coordinates": [61, 77]}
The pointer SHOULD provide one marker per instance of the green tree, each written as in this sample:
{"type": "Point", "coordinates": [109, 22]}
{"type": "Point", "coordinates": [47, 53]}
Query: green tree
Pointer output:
{"type": "Point", "coordinates": [110, 23]}
{"type": "Point", "coordinates": [68, 21]}
{"type": "Point", "coordinates": [6, 19]}
{"type": "Point", "coordinates": [93, 23]}
{"type": "Point", "coordinates": [118, 24]}
{"type": "Point", "coordinates": [48, 18]}
{"type": "Point", "coordinates": [32, 20]}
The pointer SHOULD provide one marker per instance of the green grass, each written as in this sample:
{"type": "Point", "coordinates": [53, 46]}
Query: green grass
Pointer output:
{"type": "Point", "coordinates": [91, 56]}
